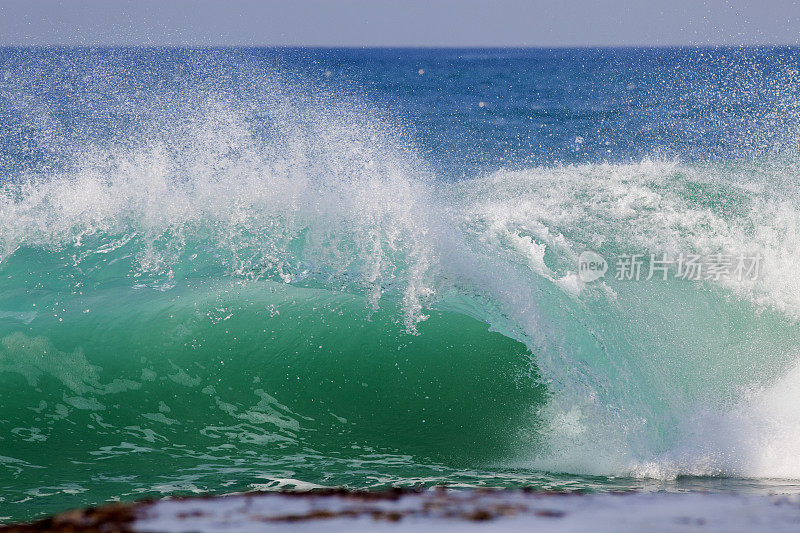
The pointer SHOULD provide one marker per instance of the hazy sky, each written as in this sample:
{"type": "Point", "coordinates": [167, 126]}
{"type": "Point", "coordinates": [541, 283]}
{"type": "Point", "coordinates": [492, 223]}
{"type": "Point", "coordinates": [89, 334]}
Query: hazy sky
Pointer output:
{"type": "Point", "coordinates": [400, 23]}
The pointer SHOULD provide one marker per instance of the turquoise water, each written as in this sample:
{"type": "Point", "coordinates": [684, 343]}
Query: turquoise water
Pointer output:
{"type": "Point", "coordinates": [227, 270]}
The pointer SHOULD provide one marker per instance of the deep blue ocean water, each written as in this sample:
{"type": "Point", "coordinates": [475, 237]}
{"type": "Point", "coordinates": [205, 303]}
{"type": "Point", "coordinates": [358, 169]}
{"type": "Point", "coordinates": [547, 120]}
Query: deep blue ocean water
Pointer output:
{"type": "Point", "coordinates": [621, 105]}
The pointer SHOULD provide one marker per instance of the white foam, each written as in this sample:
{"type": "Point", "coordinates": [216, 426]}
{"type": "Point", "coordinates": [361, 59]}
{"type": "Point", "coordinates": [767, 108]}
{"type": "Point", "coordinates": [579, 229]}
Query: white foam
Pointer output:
{"type": "Point", "coordinates": [642, 388]}
{"type": "Point", "coordinates": [341, 189]}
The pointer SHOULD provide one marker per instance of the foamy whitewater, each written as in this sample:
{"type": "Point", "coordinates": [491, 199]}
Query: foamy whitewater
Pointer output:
{"type": "Point", "coordinates": [260, 269]}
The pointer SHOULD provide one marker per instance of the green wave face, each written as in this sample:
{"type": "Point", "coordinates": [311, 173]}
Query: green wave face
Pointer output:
{"type": "Point", "coordinates": [222, 354]}
{"type": "Point", "coordinates": [217, 385]}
